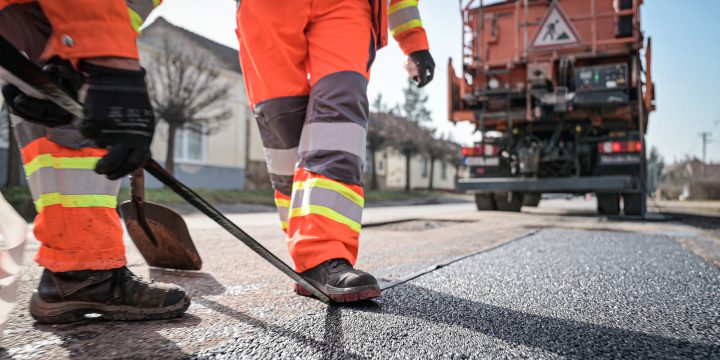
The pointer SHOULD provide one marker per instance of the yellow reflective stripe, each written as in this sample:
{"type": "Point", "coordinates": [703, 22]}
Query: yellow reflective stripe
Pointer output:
{"type": "Point", "coordinates": [75, 201]}
{"type": "Point", "coordinates": [326, 212]}
{"type": "Point", "coordinates": [330, 185]}
{"type": "Point", "coordinates": [156, 3]}
{"type": "Point", "coordinates": [401, 5]}
{"type": "Point", "coordinates": [284, 224]}
{"type": "Point", "coordinates": [406, 26]}
{"type": "Point", "coordinates": [282, 203]}
{"type": "Point", "coordinates": [47, 160]}
{"type": "Point", "coordinates": [135, 19]}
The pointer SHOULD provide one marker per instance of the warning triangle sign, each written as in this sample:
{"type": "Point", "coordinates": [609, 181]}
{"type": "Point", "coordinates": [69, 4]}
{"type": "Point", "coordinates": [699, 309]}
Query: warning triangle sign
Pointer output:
{"type": "Point", "coordinates": [555, 30]}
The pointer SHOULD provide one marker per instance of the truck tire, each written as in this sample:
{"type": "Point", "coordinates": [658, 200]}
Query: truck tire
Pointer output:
{"type": "Point", "coordinates": [632, 204]}
{"type": "Point", "coordinates": [531, 199]}
{"type": "Point", "coordinates": [508, 201]}
{"type": "Point", "coordinates": [484, 202]}
{"type": "Point", "coordinates": [608, 204]}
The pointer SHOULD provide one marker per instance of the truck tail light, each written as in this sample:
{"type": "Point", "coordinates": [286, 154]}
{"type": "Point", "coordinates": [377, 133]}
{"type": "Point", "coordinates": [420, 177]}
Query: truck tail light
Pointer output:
{"type": "Point", "coordinates": [481, 150]}
{"type": "Point", "coordinates": [614, 147]}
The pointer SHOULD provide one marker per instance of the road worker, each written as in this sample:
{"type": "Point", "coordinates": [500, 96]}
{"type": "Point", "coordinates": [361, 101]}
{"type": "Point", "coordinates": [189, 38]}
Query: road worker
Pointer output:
{"type": "Point", "coordinates": [72, 170]}
{"type": "Point", "coordinates": [306, 66]}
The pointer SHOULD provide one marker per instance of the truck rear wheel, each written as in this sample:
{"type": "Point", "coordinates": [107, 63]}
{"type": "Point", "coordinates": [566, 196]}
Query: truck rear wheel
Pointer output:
{"type": "Point", "coordinates": [508, 201]}
{"type": "Point", "coordinates": [632, 204]}
{"type": "Point", "coordinates": [531, 199]}
{"type": "Point", "coordinates": [484, 202]}
{"type": "Point", "coordinates": [608, 204]}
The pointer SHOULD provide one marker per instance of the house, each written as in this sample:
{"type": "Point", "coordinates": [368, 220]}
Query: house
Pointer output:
{"type": "Point", "coordinates": [210, 160]}
{"type": "Point", "coordinates": [690, 179]}
{"type": "Point", "coordinates": [431, 161]}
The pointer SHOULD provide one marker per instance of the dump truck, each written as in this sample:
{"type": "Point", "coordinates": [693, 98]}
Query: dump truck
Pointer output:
{"type": "Point", "coordinates": [560, 91]}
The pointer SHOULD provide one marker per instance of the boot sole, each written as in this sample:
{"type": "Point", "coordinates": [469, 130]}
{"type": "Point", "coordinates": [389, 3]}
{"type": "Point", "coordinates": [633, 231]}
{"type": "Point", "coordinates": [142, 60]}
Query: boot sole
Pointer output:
{"type": "Point", "coordinates": [344, 295]}
{"type": "Point", "coordinates": [73, 311]}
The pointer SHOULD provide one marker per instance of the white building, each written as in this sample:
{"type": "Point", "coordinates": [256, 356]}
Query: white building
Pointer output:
{"type": "Point", "coordinates": [217, 160]}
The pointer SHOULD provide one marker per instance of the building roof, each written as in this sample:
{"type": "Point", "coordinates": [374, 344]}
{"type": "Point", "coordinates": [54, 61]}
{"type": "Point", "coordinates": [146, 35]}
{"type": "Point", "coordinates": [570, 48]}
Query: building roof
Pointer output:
{"type": "Point", "coordinates": [225, 54]}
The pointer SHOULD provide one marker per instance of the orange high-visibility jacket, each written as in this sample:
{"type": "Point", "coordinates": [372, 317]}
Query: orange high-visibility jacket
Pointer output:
{"type": "Point", "coordinates": [403, 20]}
{"type": "Point", "coordinates": [90, 28]}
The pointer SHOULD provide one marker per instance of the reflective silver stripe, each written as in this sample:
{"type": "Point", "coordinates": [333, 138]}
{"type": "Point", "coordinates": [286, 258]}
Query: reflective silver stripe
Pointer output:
{"type": "Point", "coordinates": [402, 16]}
{"type": "Point", "coordinates": [348, 137]}
{"type": "Point", "coordinates": [327, 198]}
{"type": "Point", "coordinates": [70, 182]}
{"type": "Point", "coordinates": [281, 161]}
{"type": "Point", "coordinates": [141, 7]}
{"type": "Point", "coordinates": [283, 212]}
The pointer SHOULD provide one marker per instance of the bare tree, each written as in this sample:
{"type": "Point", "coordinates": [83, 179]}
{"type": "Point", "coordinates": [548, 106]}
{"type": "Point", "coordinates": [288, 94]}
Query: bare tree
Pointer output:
{"type": "Point", "coordinates": [434, 149]}
{"type": "Point", "coordinates": [415, 105]}
{"type": "Point", "coordinates": [186, 93]}
{"type": "Point", "coordinates": [378, 137]}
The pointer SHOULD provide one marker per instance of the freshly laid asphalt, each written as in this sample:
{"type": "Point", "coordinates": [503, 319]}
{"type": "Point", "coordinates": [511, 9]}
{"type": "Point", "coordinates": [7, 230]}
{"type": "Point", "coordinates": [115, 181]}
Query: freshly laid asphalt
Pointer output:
{"type": "Point", "coordinates": [545, 283]}
{"type": "Point", "coordinates": [555, 294]}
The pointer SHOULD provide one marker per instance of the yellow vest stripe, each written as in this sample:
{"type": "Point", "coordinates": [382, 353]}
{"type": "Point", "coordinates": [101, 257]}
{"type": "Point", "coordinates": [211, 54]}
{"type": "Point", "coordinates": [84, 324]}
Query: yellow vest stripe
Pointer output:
{"type": "Point", "coordinates": [326, 212]}
{"type": "Point", "coordinates": [282, 203]}
{"type": "Point", "coordinates": [75, 201]}
{"type": "Point", "coordinates": [47, 160]}
{"type": "Point", "coordinates": [330, 185]}
{"type": "Point", "coordinates": [135, 20]}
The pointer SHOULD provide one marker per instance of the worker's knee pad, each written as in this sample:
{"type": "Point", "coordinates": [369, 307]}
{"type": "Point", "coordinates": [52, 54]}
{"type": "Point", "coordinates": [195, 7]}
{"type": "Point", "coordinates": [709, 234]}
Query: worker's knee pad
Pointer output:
{"type": "Point", "coordinates": [334, 135]}
{"type": "Point", "coordinates": [280, 122]}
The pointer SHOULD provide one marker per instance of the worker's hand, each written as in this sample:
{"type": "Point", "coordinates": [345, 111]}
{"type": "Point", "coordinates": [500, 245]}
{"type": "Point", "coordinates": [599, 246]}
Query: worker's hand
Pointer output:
{"type": "Point", "coordinates": [45, 112]}
{"type": "Point", "coordinates": [119, 117]}
{"type": "Point", "coordinates": [425, 66]}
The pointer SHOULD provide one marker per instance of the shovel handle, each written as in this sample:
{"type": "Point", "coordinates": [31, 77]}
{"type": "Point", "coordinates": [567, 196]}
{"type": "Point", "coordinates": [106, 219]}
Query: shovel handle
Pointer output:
{"type": "Point", "coordinates": [201, 204]}
{"type": "Point", "coordinates": [137, 185]}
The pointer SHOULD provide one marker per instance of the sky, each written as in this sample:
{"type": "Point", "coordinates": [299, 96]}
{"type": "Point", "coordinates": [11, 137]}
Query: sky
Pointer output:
{"type": "Point", "coordinates": [686, 50]}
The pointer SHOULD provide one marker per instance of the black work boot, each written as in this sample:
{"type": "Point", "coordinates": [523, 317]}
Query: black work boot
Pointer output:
{"type": "Point", "coordinates": [115, 294]}
{"type": "Point", "coordinates": [340, 282]}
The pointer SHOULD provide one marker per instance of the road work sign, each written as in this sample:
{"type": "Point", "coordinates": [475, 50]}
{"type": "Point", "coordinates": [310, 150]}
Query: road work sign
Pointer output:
{"type": "Point", "coordinates": [556, 30]}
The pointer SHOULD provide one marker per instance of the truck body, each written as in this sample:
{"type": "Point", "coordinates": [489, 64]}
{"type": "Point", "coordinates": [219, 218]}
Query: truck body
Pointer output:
{"type": "Point", "coordinates": [561, 96]}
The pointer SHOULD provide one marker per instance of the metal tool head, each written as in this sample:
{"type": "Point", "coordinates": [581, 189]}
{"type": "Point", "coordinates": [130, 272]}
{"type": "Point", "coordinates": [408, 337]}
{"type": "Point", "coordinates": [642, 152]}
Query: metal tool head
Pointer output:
{"type": "Point", "coordinates": [167, 244]}
{"type": "Point", "coordinates": [159, 233]}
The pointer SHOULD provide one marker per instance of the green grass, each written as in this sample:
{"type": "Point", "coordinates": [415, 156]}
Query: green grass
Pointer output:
{"type": "Point", "coordinates": [383, 195]}
{"type": "Point", "coordinates": [20, 198]}
{"type": "Point", "coordinates": [167, 196]}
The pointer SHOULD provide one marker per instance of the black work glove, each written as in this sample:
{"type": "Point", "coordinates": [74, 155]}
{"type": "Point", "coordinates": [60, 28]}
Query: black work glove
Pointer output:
{"type": "Point", "coordinates": [45, 112]}
{"type": "Point", "coordinates": [119, 117]}
{"type": "Point", "coordinates": [425, 66]}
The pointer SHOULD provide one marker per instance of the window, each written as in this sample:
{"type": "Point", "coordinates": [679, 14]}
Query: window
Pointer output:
{"type": "Point", "coordinates": [190, 143]}
{"type": "Point", "coordinates": [424, 172]}
{"type": "Point", "coordinates": [381, 165]}
{"type": "Point", "coordinates": [443, 170]}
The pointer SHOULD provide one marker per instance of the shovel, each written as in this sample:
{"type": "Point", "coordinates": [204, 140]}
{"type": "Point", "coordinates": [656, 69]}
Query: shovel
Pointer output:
{"type": "Point", "coordinates": [159, 233]}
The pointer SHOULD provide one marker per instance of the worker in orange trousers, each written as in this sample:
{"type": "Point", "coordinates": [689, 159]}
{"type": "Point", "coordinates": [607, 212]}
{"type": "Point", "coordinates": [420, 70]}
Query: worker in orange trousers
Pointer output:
{"type": "Point", "coordinates": [306, 66]}
{"type": "Point", "coordinates": [73, 170]}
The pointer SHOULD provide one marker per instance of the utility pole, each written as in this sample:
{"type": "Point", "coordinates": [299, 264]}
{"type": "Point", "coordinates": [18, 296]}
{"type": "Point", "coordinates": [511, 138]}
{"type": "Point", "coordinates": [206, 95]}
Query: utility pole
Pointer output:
{"type": "Point", "coordinates": [706, 139]}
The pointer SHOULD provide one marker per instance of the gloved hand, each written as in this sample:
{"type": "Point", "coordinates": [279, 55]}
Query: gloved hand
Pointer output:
{"type": "Point", "coordinates": [425, 67]}
{"type": "Point", "coordinates": [45, 112]}
{"type": "Point", "coordinates": [118, 116]}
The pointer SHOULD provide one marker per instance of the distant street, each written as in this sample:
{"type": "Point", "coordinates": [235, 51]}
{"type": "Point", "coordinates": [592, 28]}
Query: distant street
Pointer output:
{"type": "Point", "coordinates": [551, 282]}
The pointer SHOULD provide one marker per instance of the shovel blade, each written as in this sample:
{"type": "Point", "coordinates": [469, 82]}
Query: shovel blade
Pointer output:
{"type": "Point", "coordinates": [175, 248]}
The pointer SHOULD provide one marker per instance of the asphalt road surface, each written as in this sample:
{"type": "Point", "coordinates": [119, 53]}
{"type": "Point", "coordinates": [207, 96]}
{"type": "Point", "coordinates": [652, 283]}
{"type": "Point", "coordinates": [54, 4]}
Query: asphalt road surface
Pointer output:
{"type": "Point", "coordinates": [552, 282]}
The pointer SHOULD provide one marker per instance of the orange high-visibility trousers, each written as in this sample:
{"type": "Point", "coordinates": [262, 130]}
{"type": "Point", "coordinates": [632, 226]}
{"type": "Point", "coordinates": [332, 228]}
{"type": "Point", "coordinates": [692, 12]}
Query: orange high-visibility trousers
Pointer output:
{"type": "Point", "coordinates": [77, 221]}
{"type": "Point", "coordinates": [306, 66]}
